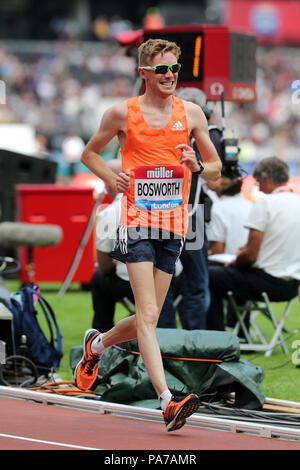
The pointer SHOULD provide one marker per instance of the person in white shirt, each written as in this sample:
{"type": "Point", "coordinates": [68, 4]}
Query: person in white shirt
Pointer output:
{"type": "Point", "coordinates": [270, 260]}
{"type": "Point", "coordinates": [110, 283]}
{"type": "Point", "coordinates": [226, 231]}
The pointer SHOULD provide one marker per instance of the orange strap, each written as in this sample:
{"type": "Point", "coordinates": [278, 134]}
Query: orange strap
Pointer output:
{"type": "Point", "coordinates": [181, 358]}
{"type": "Point", "coordinates": [56, 387]}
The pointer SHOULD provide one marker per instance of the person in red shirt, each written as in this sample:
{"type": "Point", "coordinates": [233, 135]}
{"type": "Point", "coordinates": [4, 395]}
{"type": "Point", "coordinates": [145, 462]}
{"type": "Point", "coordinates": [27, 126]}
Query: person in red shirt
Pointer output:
{"type": "Point", "coordinates": [157, 161]}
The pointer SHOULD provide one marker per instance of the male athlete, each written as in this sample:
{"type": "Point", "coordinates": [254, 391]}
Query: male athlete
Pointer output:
{"type": "Point", "coordinates": [153, 131]}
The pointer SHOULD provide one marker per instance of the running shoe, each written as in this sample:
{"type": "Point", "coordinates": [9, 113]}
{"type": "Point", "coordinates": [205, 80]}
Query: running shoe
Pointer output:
{"type": "Point", "coordinates": [86, 371]}
{"type": "Point", "coordinates": [178, 410]}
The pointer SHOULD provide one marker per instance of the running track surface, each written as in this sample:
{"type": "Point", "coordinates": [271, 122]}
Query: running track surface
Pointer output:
{"type": "Point", "coordinates": [35, 426]}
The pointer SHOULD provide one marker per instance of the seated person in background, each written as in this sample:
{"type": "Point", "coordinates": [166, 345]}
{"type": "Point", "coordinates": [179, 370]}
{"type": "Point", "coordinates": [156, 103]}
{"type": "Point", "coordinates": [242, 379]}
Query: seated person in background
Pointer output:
{"type": "Point", "coordinates": [270, 260]}
{"type": "Point", "coordinates": [226, 231]}
{"type": "Point", "coordinates": [110, 283]}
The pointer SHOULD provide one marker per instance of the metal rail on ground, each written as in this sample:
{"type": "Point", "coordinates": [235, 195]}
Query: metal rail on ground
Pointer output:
{"type": "Point", "coordinates": [197, 420]}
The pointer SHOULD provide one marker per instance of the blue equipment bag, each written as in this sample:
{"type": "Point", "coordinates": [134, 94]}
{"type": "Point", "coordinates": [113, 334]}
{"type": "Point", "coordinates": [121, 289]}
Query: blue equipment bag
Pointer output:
{"type": "Point", "coordinates": [43, 353]}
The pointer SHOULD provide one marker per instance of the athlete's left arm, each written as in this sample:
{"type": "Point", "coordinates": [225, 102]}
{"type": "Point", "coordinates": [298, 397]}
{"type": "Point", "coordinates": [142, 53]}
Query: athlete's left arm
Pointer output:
{"type": "Point", "coordinates": [199, 130]}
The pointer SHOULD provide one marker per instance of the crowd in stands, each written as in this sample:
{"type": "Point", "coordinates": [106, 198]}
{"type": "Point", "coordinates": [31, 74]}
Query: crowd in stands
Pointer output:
{"type": "Point", "coordinates": [271, 126]}
{"type": "Point", "coordinates": [66, 91]}
{"type": "Point", "coordinates": [63, 92]}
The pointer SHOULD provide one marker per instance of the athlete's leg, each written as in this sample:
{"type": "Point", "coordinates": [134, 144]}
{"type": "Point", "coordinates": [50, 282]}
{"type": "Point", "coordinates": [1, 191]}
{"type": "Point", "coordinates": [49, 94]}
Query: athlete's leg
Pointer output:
{"type": "Point", "coordinates": [162, 282]}
{"type": "Point", "coordinates": [125, 329]}
{"type": "Point", "coordinates": [149, 287]}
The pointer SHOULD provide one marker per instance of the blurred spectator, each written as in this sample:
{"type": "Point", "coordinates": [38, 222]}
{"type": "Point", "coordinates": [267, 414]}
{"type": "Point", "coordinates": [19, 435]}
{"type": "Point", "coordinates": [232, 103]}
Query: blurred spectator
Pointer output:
{"type": "Point", "coordinates": [153, 19]}
{"type": "Point", "coordinates": [72, 148]}
{"type": "Point", "coordinates": [118, 24]}
{"type": "Point", "coordinates": [225, 230]}
{"type": "Point", "coordinates": [101, 27]}
{"type": "Point", "coordinates": [41, 146]}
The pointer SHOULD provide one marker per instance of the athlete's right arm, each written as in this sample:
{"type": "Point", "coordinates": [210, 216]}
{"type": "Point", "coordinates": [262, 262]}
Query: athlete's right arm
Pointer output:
{"type": "Point", "coordinates": [113, 124]}
{"type": "Point", "coordinates": [199, 130]}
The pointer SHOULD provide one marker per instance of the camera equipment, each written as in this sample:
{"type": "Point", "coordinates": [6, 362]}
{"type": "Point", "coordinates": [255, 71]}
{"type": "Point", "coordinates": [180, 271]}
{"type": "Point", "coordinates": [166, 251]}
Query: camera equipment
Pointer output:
{"type": "Point", "coordinates": [230, 151]}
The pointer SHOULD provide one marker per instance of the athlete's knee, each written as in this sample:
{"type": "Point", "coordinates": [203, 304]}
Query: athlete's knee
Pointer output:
{"type": "Point", "coordinates": [149, 315]}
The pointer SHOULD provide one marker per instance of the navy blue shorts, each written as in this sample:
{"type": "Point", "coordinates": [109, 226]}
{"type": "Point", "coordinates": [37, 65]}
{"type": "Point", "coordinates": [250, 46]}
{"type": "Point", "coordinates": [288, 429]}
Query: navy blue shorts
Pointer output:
{"type": "Point", "coordinates": [134, 245]}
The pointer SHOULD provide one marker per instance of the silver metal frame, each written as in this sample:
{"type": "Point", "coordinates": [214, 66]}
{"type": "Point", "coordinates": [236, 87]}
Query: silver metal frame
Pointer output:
{"type": "Point", "coordinates": [197, 420]}
{"type": "Point", "coordinates": [254, 308]}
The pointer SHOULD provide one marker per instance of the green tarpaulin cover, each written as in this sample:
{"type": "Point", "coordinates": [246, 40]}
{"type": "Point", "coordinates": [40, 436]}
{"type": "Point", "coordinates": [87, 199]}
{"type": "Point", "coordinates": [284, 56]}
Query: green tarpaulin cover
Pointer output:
{"type": "Point", "coordinates": [122, 377]}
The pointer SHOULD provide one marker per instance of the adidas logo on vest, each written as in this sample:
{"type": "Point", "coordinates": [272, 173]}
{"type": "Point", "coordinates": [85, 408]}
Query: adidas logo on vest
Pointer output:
{"type": "Point", "coordinates": [178, 126]}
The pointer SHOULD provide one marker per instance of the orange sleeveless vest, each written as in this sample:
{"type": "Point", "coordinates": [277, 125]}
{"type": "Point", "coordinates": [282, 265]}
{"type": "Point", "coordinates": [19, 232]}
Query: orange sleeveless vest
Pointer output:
{"type": "Point", "coordinates": [159, 184]}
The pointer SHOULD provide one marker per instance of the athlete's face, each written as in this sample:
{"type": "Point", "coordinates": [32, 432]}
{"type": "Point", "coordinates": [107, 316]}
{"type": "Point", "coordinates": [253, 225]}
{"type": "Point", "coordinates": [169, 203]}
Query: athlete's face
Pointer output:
{"type": "Point", "coordinates": [164, 83]}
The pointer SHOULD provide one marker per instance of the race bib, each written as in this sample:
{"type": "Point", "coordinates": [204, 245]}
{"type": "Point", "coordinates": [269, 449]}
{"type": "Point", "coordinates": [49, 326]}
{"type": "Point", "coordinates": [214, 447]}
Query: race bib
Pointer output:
{"type": "Point", "coordinates": [158, 187]}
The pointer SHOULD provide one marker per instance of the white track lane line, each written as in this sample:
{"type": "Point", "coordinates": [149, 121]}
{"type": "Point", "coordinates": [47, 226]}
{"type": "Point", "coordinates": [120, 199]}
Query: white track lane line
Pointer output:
{"type": "Point", "coordinates": [10, 436]}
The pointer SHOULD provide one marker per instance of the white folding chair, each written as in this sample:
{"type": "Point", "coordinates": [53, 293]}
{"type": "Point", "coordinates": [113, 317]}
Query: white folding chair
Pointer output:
{"type": "Point", "coordinates": [255, 339]}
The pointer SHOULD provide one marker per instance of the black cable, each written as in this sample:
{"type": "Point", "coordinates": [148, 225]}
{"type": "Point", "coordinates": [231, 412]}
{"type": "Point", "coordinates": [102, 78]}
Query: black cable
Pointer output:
{"type": "Point", "coordinates": [284, 419]}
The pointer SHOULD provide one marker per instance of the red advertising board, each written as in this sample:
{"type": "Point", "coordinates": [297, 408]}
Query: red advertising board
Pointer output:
{"type": "Point", "coordinates": [68, 207]}
{"type": "Point", "coordinates": [273, 21]}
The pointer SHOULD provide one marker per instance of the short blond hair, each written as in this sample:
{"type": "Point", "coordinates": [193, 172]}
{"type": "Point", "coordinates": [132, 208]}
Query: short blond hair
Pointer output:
{"type": "Point", "coordinates": [149, 49]}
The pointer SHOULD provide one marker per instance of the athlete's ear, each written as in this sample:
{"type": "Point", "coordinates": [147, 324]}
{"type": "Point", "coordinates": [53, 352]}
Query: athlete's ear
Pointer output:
{"type": "Point", "coordinates": [142, 72]}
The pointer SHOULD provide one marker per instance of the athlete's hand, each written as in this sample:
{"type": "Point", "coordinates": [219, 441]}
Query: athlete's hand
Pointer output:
{"type": "Point", "coordinates": [188, 156]}
{"type": "Point", "coordinates": [123, 182]}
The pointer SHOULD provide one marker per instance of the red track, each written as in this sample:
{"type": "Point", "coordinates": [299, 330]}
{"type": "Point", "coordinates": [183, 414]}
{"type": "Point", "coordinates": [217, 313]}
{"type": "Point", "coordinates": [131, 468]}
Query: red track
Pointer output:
{"type": "Point", "coordinates": [33, 426]}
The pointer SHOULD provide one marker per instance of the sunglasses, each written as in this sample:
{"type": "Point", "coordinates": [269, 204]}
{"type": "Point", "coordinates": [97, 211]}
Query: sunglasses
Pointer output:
{"type": "Point", "coordinates": [163, 69]}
